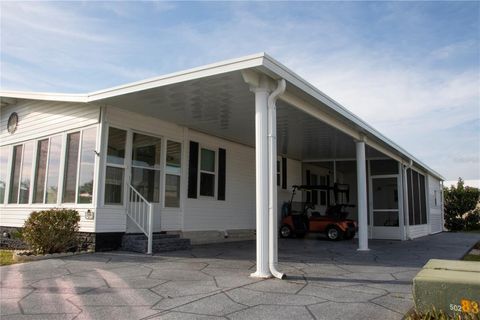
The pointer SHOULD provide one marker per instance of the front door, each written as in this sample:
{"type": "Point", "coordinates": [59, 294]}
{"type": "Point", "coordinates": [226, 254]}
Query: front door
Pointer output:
{"type": "Point", "coordinates": [384, 208]}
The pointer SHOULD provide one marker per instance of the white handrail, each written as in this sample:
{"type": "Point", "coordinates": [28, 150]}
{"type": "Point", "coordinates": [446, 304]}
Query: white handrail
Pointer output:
{"type": "Point", "coordinates": [141, 213]}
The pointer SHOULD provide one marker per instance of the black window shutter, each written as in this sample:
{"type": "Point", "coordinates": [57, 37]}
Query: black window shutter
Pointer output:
{"type": "Point", "coordinates": [308, 183]}
{"type": "Point", "coordinates": [222, 166]}
{"type": "Point", "coordinates": [284, 173]}
{"type": "Point", "coordinates": [193, 170]}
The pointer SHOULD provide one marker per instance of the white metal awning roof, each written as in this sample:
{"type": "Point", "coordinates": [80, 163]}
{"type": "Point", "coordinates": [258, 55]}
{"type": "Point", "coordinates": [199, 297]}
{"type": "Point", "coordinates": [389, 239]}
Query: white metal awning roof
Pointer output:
{"type": "Point", "coordinates": [216, 100]}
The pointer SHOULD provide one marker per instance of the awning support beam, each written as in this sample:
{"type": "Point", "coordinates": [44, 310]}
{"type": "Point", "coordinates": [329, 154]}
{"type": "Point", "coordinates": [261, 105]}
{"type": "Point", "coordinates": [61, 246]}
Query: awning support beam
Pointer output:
{"type": "Point", "coordinates": [362, 196]}
{"type": "Point", "coordinates": [266, 94]}
{"type": "Point", "coordinates": [261, 179]}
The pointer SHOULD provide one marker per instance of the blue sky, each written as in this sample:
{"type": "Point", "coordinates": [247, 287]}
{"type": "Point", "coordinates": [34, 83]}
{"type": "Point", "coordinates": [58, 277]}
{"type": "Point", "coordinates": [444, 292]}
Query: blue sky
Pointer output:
{"type": "Point", "coordinates": [411, 69]}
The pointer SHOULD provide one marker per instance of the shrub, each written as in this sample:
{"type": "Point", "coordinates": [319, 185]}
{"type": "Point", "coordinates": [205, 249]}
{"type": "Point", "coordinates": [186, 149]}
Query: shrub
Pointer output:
{"type": "Point", "coordinates": [472, 219]}
{"type": "Point", "coordinates": [460, 200]}
{"type": "Point", "coordinates": [51, 231]}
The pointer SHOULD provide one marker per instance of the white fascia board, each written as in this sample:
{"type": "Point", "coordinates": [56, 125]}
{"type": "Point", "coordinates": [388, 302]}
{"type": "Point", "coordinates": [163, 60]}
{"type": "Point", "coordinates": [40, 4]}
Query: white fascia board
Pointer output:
{"type": "Point", "coordinates": [260, 61]}
{"type": "Point", "coordinates": [281, 71]}
{"type": "Point", "coordinates": [44, 96]}
{"type": "Point", "coordinates": [247, 62]}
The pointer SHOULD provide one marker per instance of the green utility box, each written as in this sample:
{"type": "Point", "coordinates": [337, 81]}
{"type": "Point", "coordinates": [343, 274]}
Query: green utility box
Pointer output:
{"type": "Point", "coordinates": [449, 285]}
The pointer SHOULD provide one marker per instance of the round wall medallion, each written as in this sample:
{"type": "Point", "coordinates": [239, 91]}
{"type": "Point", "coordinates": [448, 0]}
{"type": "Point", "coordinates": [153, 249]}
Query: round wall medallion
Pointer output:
{"type": "Point", "coordinates": [12, 122]}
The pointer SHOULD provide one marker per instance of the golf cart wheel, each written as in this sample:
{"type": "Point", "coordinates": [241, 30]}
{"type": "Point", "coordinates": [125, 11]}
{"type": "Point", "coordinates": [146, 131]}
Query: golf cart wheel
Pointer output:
{"type": "Point", "coordinates": [285, 231]}
{"type": "Point", "coordinates": [334, 233]}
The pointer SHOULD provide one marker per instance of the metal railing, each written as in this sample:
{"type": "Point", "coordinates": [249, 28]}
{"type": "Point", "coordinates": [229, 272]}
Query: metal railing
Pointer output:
{"type": "Point", "coordinates": [141, 213]}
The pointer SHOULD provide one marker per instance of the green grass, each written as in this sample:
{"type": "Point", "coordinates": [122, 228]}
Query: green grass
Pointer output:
{"type": "Point", "coordinates": [6, 257]}
{"type": "Point", "coordinates": [471, 257]}
{"type": "Point", "coordinates": [472, 231]}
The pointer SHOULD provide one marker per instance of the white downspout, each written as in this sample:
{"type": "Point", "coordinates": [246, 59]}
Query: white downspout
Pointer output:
{"type": "Point", "coordinates": [272, 179]}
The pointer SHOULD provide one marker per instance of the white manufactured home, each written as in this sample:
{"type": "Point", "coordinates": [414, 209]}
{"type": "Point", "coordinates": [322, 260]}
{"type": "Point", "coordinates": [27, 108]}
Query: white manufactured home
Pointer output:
{"type": "Point", "coordinates": [190, 153]}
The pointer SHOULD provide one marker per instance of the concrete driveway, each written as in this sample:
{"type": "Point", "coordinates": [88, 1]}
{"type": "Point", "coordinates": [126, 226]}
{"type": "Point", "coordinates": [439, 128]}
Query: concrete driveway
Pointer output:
{"type": "Point", "coordinates": [326, 280]}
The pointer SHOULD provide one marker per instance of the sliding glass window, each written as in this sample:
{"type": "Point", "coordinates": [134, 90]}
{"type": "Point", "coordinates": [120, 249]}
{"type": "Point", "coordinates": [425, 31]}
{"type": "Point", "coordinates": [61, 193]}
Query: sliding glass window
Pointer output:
{"type": "Point", "coordinates": [47, 170]}
{"type": "Point", "coordinates": [87, 166]}
{"type": "Point", "coordinates": [114, 171]}
{"type": "Point", "coordinates": [40, 171]}
{"type": "Point", "coordinates": [71, 167]}
{"type": "Point", "coordinates": [79, 166]}
{"type": "Point", "coordinates": [53, 172]}
{"type": "Point", "coordinates": [15, 175]}
{"type": "Point", "coordinates": [21, 173]}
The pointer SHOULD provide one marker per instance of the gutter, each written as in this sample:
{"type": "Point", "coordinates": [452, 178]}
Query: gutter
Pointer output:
{"type": "Point", "coordinates": [272, 180]}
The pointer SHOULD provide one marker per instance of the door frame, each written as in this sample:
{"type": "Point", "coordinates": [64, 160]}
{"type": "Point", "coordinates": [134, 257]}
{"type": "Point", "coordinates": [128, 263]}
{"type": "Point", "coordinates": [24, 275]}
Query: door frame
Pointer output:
{"type": "Point", "coordinates": [384, 231]}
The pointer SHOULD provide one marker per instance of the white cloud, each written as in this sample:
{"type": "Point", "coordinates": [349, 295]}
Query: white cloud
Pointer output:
{"type": "Point", "coordinates": [417, 105]}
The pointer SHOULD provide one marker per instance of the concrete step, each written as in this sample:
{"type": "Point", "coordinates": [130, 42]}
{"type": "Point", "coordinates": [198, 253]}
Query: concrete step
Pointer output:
{"type": "Point", "coordinates": [156, 235]}
{"type": "Point", "coordinates": [161, 243]}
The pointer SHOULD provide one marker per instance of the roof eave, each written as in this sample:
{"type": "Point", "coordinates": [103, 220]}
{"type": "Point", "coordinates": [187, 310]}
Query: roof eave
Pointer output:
{"type": "Point", "coordinates": [277, 68]}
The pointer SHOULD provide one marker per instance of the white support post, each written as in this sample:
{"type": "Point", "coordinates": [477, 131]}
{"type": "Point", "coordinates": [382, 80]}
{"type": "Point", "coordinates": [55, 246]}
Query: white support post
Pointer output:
{"type": "Point", "coordinates": [406, 204]}
{"type": "Point", "coordinates": [362, 197]}
{"type": "Point", "coordinates": [401, 203]}
{"type": "Point", "coordinates": [261, 174]}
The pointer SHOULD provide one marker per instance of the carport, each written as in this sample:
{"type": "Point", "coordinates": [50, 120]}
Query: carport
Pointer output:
{"type": "Point", "coordinates": [259, 110]}
{"type": "Point", "coordinates": [256, 101]}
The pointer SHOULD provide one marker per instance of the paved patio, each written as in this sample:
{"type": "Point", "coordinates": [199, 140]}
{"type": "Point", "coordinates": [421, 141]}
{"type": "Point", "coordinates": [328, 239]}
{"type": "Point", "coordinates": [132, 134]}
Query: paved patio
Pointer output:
{"type": "Point", "coordinates": [326, 280]}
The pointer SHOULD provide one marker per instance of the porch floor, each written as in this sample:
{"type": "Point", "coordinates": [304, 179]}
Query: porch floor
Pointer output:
{"type": "Point", "coordinates": [326, 280]}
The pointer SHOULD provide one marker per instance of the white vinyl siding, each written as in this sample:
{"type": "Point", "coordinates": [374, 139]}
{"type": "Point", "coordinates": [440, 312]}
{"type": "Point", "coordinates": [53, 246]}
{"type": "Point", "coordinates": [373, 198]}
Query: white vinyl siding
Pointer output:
{"type": "Point", "coordinates": [238, 209]}
{"type": "Point", "coordinates": [40, 120]}
{"type": "Point", "coordinates": [37, 119]}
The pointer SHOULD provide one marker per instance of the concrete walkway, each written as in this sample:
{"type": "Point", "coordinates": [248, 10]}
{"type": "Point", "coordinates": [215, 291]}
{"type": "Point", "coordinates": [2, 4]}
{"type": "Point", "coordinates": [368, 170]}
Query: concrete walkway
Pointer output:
{"type": "Point", "coordinates": [326, 280]}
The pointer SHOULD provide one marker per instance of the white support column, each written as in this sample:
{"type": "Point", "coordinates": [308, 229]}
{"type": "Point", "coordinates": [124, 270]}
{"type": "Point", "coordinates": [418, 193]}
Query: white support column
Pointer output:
{"type": "Point", "coordinates": [362, 197]}
{"type": "Point", "coordinates": [406, 204]}
{"type": "Point", "coordinates": [401, 202]}
{"type": "Point", "coordinates": [261, 174]}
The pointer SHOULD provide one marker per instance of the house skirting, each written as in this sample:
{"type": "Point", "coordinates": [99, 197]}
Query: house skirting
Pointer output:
{"type": "Point", "coordinates": [215, 236]}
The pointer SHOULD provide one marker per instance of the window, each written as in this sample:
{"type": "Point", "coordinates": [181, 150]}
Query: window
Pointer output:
{"type": "Point", "coordinates": [79, 166]}
{"type": "Point", "coordinates": [87, 166]}
{"type": "Point", "coordinates": [15, 177]}
{"type": "Point", "coordinates": [207, 173]}
{"type": "Point", "coordinates": [146, 155]}
{"type": "Point", "coordinates": [47, 170]}
{"type": "Point", "coordinates": [40, 171]}
{"type": "Point", "coordinates": [417, 208]}
{"type": "Point", "coordinates": [114, 172]}
{"type": "Point", "coordinates": [71, 165]}
{"type": "Point", "coordinates": [172, 176]}
{"type": "Point", "coordinates": [53, 171]}
{"type": "Point", "coordinates": [21, 173]}
{"type": "Point", "coordinates": [3, 172]}
{"type": "Point", "coordinates": [25, 177]}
